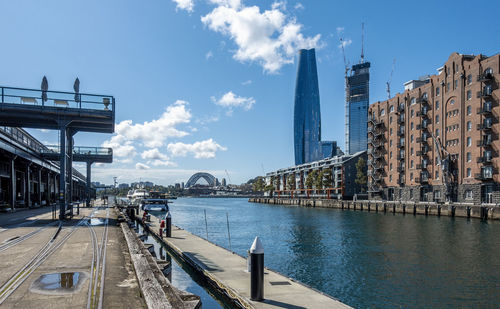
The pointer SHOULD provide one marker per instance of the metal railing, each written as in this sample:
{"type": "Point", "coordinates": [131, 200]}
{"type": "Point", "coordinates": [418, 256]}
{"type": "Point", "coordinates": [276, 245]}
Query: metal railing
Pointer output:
{"type": "Point", "coordinates": [60, 99]}
{"type": "Point", "coordinates": [82, 150]}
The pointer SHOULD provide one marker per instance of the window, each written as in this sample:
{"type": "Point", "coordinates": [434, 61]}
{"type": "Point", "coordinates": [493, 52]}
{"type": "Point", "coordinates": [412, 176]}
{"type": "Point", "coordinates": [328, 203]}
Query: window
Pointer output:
{"type": "Point", "coordinates": [437, 195]}
{"type": "Point", "coordinates": [456, 84]}
{"type": "Point", "coordinates": [469, 141]}
{"type": "Point", "coordinates": [411, 190]}
{"type": "Point", "coordinates": [390, 143]}
{"type": "Point", "coordinates": [469, 126]}
{"type": "Point", "coordinates": [437, 104]}
{"type": "Point", "coordinates": [469, 79]}
{"type": "Point", "coordinates": [411, 125]}
{"type": "Point", "coordinates": [390, 119]}
{"type": "Point", "coordinates": [390, 166]}
{"type": "Point", "coordinates": [390, 178]}
{"type": "Point", "coordinates": [469, 94]}
{"type": "Point", "coordinates": [437, 119]}
{"type": "Point", "coordinates": [382, 112]}
{"type": "Point", "coordinates": [468, 194]}
{"type": "Point", "coordinates": [390, 131]}
{"type": "Point", "coordinates": [411, 113]}
{"type": "Point", "coordinates": [411, 138]}
{"type": "Point", "coordinates": [413, 101]}
{"type": "Point", "coordinates": [469, 157]}
{"type": "Point", "coordinates": [437, 174]}
{"type": "Point", "coordinates": [447, 86]}
{"type": "Point", "coordinates": [452, 102]}
{"type": "Point", "coordinates": [437, 90]}
{"type": "Point", "coordinates": [469, 173]}
{"type": "Point", "coordinates": [390, 155]}
{"type": "Point", "coordinates": [391, 109]}
{"type": "Point", "coordinates": [488, 71]}
{"type": "Point", "coordinates": [411, 152]}
{"type": "Point", "coordinates": [437, 132]}
{"type": "Point", "coordinates": [411, 162]}
{"type": "Point", "coordinates": [469, 110]}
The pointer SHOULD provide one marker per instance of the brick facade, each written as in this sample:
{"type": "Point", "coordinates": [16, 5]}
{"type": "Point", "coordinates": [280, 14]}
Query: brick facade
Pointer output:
{"type": "Point", "coordinates": [456, 111]}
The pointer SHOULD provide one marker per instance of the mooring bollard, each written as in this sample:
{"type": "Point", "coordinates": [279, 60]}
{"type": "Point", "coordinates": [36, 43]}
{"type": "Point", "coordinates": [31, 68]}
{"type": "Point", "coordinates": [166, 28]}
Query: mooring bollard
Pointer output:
{"type": "Point", "coordinates": [249, 269]}
{"type": "Point", "coordinates": [168, 223]}
{"type": "Point", "coordinates": [162, 226]}
{"type": "Point", "coordinates": [257, 270]}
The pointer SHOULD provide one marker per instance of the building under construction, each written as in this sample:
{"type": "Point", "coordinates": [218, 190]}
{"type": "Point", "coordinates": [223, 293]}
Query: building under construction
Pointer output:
{"type": "Point", "coordinates": [438, 140]}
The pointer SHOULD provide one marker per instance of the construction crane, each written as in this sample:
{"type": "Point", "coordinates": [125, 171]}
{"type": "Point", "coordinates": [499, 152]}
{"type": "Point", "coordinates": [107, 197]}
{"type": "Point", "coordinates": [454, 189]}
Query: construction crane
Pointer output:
{"type": "Point", "coordinates": [445, 161]}
{"type": "Point", "coordinates": [362, 42]}
{"type": "Point", "coordinates": [388, 83]}
{"type": "Point", "coordinates": [228, 178]}
{"type": "Point", "coordinates": [346, 65]}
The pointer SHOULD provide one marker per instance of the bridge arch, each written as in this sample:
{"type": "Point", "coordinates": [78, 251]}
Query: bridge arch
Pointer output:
{"type": "Point", "coordinates": [208, 177]}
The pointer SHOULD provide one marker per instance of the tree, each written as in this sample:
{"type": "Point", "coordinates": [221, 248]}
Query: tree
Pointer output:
{"type": "Point", "coordinates": [361, 178]}
{"type": "Point", "coordinates": [318, 181]}
{"type": "Point", "coordinates": [259, 184]}
{"type": "Point", "coordinates": [327, 178]}
{"type": "Point", "coordinates": [290, 182]}
{"type": "Point", "coordinates": [311, 176]}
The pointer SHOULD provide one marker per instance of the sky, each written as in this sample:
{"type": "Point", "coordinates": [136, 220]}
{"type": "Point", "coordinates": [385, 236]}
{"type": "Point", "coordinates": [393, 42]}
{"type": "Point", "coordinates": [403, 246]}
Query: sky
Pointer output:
{"type": "Point", "coordinates": [208, 85]}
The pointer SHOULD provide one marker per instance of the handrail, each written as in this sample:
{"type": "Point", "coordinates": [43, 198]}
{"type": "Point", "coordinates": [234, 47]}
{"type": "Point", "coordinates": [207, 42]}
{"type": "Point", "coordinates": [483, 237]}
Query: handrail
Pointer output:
{"type": "Point", "coordinates": [61, 99]}
{"type": "Point", "coordinates": [83, 150]}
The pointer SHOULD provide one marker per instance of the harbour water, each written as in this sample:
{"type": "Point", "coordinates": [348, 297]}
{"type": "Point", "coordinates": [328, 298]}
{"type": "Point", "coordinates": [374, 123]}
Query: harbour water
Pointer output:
{"type": "Point", "coordinates": [366, 260]}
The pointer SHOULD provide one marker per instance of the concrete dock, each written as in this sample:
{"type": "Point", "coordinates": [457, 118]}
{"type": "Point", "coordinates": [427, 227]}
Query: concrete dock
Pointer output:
{"type": "Point", "coordinates": [57, 274]}
{"type": "Point", "coordinates": [226, 271]}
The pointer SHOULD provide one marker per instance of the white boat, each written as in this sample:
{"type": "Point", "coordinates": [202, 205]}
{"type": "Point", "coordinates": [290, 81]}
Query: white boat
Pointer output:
{"type": "Point", "coordinates": [154, 204]}
{"type": "Point", "coordinates": [138, 195]}
{"type": "Point", "coordinates": [129, 194]}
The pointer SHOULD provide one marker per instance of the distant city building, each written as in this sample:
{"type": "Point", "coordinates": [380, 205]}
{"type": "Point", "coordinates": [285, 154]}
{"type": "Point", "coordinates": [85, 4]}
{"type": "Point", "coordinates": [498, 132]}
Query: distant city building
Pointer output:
{"type": "Point", "coordinates": [223, 182]}
{"type": "Point", "coordinates": [307, 116]}
{"type": "Point", "coordinates": [182, 185]}
{"type": "Point", "coordinates": [123, 186]}
{"type": "Point", "coordinates": [438, 140]}
{"type": "Point", "coordinates": [142, 184]}
{"type": "Point", "coordinates": [177, 185]}
{"type": "Point", "coordinates": [328, 149]}
{"type": "Point", "coordinates": [356, 109]}
{"type": "Point", "coordinates": [343, 172]}
{"type": "Point", "coordinates": [96, 183]}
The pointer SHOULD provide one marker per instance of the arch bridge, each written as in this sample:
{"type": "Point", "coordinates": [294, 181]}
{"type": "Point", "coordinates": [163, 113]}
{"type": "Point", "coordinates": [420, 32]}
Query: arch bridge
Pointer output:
{"type": "Point", "coordinates": [212, 182]}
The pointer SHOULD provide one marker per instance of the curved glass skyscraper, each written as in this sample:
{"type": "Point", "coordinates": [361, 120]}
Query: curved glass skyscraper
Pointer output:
{"type": "Point", "coordinates": [307, 115]}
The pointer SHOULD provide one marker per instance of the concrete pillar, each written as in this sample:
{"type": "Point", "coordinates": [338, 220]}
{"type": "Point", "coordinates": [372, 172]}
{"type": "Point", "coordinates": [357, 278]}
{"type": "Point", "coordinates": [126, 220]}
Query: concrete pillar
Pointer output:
{"type": "Point", "coordinates": [87, 187]}
{"type": "Point", "coordinates": [62, 174]}
{"type": "Point", "coordinates": [70, 169]}
{"type": "Point", "coordinates": [47, 190]}
{"type": "Point", "coordinates": [13, 184]}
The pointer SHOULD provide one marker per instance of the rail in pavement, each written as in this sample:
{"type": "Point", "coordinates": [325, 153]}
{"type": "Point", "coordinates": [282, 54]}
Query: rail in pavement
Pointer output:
{"type": "Point", "coordinates": [227, 271]}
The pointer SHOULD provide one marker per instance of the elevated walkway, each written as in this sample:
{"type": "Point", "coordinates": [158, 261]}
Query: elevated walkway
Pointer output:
{"type": "Point", "coordinates": [20, 107]}
{"type": "Point", "coordinates": [81, 154]}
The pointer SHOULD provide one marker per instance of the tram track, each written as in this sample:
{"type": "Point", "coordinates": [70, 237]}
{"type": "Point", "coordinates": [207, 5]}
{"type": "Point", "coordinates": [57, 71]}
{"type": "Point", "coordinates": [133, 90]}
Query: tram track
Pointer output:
{"type": "Point", "coordinates": [98, 267]}
{"type": "Point", "coordinates": [45, 252]}
{"type": "Point", "coordinates": [17, 240]}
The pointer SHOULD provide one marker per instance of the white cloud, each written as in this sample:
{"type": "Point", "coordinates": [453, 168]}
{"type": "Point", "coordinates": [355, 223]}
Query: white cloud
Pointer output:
{"type": "Point", "coordinates": [187, 5]}
{"type": "Point", "coordinates": [231, 100]}
{"type": "Point", "coordinates": [156, 158]}
{"type": "Point", "coordinates": [270, 38]}
{"type": "Point", "coordinates": [201, 150]}
{"type": "Point", "coordinates": [207, 119]}
{"type": "Point", "coordinates": [121, 146]}
{"type": "Point", "coordinates": [140, 166]}
{"type": "Point", "coordinates": [248, 82]}
{"type": "Point", "coordinates": [340, 30]}
{"type": "Point", "coordinates": [209, 55]}
{"type": "Point", "coordinates": [298, 6]}
{"type": "Point", "coordinates": [151, 133]}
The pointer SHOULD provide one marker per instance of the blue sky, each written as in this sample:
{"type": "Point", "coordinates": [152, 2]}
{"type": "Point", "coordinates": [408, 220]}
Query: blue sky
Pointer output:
{"type": "Point", "coordinates": [208, 85]}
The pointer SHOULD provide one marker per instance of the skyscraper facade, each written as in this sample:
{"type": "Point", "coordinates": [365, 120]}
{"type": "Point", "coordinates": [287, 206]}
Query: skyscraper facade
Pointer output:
{"type": "Point", "coordinates": [357, 101]}
{"type": "Point", "coordinates": [307, 116]}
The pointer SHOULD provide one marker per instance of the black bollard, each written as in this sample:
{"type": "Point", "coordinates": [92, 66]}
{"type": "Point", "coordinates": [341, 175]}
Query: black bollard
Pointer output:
{"type": "Point", "coordinates": [168, 225]}
{"type": "Point", "coordinates": [257, 270]}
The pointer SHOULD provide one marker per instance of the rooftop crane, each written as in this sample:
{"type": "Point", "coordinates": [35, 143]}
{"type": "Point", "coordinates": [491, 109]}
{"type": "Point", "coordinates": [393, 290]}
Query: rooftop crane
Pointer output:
{"type": "Point", "coordinates": [388, 83]}
{"type": "Point", "coordinates": [228, 178]}
{"type": "Point", "coordinates": [346, 65]}
{"type": "Point", "coordinates": [445, 160]}
{"type": "Point", "coordinates": [362, 42]}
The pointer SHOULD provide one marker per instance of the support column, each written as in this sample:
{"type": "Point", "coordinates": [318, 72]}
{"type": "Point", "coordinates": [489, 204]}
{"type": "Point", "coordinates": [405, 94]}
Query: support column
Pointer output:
{"type": "Point", "coordinates": [62, 174]}
{"type": "Point", "coordinates": [87, 187]}
{"type": "Point", "coordinates": [40, 186]}
{"type": "Point", "coordinates": [70, 169]}
{"type": "Point", "coordinates": [47, 190]}
{"type": "Point", "coordinates": [27, 191]}
{"type": "Point", "coordinates": [13, 184]}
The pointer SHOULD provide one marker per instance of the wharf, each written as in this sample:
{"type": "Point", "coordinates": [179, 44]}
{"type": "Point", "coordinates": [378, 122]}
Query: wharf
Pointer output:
{"type": "Point", "coordinates": [484, 211]}
{"type": "Point", "coordinates": [226, 271]}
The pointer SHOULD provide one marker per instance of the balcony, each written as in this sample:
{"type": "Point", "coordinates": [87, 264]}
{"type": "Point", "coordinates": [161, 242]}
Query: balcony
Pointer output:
{"type": "Point", "coordinates": [374, 189]}
{"type": "Point", "coordinates": [401, 169]}
{"type": "Point", "coordinates": [486, 109]}
{"type": "Point", "coordinates": [423, 101]}
{"type": "Point", "coordinates": [401, 144]}
{"type": "Point", "coordinates": [401, 156]}
{"type": "Point", "coordinates": [401, 181]}
{"type": "Point", "coordinates": [486, 125]}
{"type": "Point", "coordinates": [485, 93]}
{"type": "Point", "coordinates": [401, 119]}
{"type": "Point", "coordinates": [485, 77]}
{"type": "Point", "coordinates": [485, 159]}
{"type": "Point", "coordinates": [486, 174]}
{"type": "Point", "coordinates": [422, 153]}
{"type": "Point", "coordinates": [422, 139]}
{"type": "Point", "coordinates": [422, 113]}
{"type": "Point", "coordinates": [401, 132]}
{"type": "Point", "coordinates": [375, 122]}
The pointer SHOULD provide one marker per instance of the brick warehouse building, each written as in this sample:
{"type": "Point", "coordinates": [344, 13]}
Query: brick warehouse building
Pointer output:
{"type": "Point", "coordinates": [439, 139]}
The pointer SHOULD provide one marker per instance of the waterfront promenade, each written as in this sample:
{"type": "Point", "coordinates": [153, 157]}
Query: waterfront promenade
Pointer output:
{"type": "Point", "coordinates": [48, 265]}
{"type": "Point", "coordinates": [226, 271]}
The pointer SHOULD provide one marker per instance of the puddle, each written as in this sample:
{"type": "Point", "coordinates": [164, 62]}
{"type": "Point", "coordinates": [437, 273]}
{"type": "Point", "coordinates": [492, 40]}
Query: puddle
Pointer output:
{"type": "Point", "coordinates": [96, 221]}
{"type": "Point", "coordinates": [58, 283]}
